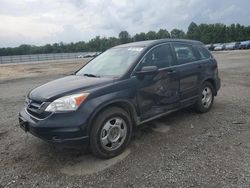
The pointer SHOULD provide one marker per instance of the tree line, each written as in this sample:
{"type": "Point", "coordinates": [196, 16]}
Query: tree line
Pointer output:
{"type": "Point", "coordinates": [207, 33]}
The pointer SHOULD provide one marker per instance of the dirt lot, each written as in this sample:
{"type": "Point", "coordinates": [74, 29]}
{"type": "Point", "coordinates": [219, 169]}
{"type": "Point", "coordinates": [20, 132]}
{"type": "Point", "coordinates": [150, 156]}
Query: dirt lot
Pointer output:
{"type": "Point", "coordinates": [184, 149]}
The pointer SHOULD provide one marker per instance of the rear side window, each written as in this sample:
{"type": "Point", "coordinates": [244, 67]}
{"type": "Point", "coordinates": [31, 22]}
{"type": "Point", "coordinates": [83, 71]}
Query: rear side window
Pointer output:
{"type": "Point", "coordinates": [204, 53]}
{"type": "Point", "coordinates": [184, 53]}
{"type": "Point", "coordinates": [160, 56]}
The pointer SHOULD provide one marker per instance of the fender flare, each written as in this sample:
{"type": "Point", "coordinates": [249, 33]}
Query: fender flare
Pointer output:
{"type": "Point", "coordinates": [116, 102]}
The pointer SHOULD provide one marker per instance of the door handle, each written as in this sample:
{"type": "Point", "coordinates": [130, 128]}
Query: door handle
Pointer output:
{"type": "Point", "coordinates": [171, 71]}
{"type": "Point", "coordinates": [199, 66]}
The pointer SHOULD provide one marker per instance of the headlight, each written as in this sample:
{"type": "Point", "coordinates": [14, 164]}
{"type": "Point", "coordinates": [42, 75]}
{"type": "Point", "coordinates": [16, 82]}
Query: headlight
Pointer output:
{"type": "Point", "coordinates": [67, 103]}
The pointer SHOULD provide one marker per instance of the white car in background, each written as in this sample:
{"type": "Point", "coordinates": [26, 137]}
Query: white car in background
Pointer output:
{"type": "Point", "coordinates": [220, 47]}
{"type": "Point", "coordinates": [232, 46]}
{"type": "Point", "coordinates": [80, 56]}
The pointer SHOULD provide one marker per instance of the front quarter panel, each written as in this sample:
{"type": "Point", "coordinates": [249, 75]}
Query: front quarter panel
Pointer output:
{"type": "Point", "coordinates": [120, 91]}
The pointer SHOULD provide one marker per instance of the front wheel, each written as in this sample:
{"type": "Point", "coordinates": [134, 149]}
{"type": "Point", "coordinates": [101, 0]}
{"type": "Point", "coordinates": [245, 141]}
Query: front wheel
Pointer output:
{"type": "Point", "coordinates": [205, 98]}
{"type": "Point", "coordinates": [111, 133]}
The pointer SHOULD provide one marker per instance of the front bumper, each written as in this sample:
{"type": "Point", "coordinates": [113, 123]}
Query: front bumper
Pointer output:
{"type": "Point", "coordinates": [59, 129]}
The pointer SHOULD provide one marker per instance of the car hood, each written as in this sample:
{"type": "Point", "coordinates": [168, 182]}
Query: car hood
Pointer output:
{"type": "Point", "coordinates": [66, 85]}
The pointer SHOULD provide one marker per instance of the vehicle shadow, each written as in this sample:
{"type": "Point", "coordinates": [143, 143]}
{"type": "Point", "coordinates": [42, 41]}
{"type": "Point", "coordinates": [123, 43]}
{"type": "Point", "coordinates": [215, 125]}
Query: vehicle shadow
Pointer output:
{"type": "Point", "coordinates": [81, 162]}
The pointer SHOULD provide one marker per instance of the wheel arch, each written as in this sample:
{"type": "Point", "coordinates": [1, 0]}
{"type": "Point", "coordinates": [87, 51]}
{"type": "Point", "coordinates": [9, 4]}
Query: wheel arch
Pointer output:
{"type": "Point", "coordinates": [123, 104]}
{"type": "Point", "coordinates": [211, 81]}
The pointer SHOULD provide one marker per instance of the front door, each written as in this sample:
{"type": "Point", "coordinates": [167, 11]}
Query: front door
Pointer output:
{"type": "Point", "coordinates": [159, 92]}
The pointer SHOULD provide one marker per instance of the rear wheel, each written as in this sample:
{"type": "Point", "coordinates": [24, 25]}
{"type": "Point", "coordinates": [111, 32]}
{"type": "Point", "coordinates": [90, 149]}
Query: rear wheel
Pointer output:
{"type": "Point", "coordinates": [205, 98]}
{"type": "Point", "coordinates": [111, 133]}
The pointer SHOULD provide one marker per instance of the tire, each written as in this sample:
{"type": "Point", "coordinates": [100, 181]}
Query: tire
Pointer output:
{"type": "Point", "coordinates": [205, 98]}
{"type": "Point", "coordinates": [111, 133]}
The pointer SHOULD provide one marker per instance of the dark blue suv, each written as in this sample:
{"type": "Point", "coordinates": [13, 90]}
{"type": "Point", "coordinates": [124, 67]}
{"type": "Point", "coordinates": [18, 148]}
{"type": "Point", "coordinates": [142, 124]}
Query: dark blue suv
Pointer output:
{"type": "Point", "coordinates": [99, 105]}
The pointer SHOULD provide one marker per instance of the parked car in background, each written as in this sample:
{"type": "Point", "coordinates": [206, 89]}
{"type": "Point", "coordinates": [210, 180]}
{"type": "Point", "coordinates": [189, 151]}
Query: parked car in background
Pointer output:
{"type": "Point", "coordinates": [96, 54]}
{"type": "Point", "coordinates": [210, 47]}
{"type": "Point", "coordinates": [100, 105]}
{"type": "Point", "coordinates": [87, 55]}
{"type": "Point", "coordinates": [215, 45]}
{"type": "Point", "coordinates": [232, 46]}
{"type": "Point", "coordinates": [245, 45]}
{"type": "Point", "coordinates": [92, 54]}
{"type": "Point", "coordinates": [220, 47]}
{"type": "Point", "coordinates": [80, 56]}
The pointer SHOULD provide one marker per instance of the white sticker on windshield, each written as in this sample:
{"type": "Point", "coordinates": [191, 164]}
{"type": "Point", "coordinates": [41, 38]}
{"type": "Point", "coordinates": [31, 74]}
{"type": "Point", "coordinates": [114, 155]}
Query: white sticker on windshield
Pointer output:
{"type": "Point", "coordinates": [137, 49]}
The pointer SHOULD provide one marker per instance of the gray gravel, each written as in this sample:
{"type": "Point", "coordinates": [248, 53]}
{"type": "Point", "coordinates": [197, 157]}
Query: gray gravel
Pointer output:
{"type": "Point", "coordinates": [194, 150]}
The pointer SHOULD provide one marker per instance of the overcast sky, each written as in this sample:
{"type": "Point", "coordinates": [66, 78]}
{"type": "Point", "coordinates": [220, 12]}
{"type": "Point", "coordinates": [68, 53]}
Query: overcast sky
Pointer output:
{"type": "Point", "coordinates": [48, 21]}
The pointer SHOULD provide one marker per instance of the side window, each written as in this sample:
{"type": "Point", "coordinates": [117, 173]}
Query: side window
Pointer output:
{"type": "Point", "coordinates": [204, 53]}
{"type": "Point", "coordinates": [160, 56]}
{"type": "Point", "coordinates": [184, 53]}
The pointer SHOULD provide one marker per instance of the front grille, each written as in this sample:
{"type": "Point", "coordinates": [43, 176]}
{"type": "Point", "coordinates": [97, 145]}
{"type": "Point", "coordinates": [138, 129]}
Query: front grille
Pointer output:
{"type": "Point", "coordinates": [39, 116]}
{"type": "Point", "coordinates": [37, 109]}
{"type": "Point", "coordinates": [35, 106]}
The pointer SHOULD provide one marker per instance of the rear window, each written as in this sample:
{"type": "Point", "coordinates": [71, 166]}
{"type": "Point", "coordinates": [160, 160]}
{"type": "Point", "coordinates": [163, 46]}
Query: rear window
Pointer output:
{"type": "Point", "coordinates": [184, 53]}
{"type": "Point", "coordinates": [204, 53]}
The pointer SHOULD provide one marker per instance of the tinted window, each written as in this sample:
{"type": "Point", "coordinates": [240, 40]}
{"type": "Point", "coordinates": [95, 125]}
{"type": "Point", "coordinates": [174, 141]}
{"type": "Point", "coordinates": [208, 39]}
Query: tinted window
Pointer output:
{"type": "Point", "coordinates": [184, 53]}
{"type": "Point", "coordinates": [159, 56]}
{"type": "Point", "coordinates": [204, 53]}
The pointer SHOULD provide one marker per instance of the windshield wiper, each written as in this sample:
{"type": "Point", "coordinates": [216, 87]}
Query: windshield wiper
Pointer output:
{"type": "Point", "coordinates": [91, 75]}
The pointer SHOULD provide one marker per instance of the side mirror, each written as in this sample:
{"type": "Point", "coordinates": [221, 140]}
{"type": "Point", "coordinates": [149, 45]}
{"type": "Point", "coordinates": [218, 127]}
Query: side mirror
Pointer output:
{"type": "Point", "coordinates": [147, 70]}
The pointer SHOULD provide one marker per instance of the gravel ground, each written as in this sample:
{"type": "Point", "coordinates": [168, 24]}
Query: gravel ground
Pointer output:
{"type": "Point", "coordinates": [183, 149]}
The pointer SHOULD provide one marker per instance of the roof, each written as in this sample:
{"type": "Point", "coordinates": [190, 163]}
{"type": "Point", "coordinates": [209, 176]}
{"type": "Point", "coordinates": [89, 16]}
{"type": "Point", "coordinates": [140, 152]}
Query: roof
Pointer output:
{"type": "Point", "coordinates": [148, 43]}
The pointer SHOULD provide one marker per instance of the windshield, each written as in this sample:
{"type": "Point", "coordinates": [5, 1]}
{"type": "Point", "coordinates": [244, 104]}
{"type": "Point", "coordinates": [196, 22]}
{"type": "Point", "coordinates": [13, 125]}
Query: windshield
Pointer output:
{"type": "Point", "coordinates": [114, 62]}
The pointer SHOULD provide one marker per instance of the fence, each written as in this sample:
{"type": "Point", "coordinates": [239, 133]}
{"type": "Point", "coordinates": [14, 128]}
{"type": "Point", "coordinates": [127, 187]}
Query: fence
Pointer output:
{"type": "Point", "coordinates": [40, 57]}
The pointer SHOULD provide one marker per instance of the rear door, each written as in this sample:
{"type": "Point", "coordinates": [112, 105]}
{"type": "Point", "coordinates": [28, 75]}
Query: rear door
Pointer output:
{"type": "Point", "coordinates": [190, 68]}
